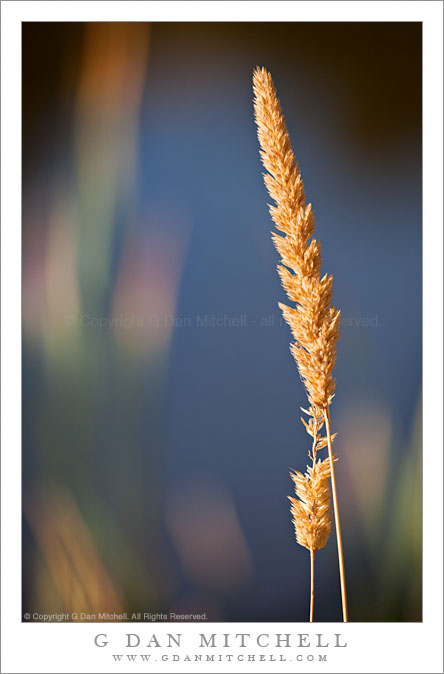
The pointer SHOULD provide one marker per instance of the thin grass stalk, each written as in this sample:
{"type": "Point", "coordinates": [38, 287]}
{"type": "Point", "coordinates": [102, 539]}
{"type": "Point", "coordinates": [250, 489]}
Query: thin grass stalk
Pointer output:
{"type": "Point", "coordinates": [312, 586]}
{"type": "Point", "coordinates": [337, 519]}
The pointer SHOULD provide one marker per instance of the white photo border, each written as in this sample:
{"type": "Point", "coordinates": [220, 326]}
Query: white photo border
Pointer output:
{"type": "Point", "coordinates": [372, 647]}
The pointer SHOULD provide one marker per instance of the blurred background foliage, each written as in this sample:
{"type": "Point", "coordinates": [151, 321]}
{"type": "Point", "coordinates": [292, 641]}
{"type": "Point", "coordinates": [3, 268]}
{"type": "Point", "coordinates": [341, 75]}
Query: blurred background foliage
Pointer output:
{"type": "Point", "coordinates": [160, 400]}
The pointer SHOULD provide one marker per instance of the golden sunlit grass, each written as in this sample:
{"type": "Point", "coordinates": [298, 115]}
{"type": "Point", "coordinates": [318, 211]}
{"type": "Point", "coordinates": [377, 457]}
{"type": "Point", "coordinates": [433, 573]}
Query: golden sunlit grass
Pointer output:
{"type": "Point", "coordinates": [314, 322]}
{"type": "Point", "coordinates": [82, 582]}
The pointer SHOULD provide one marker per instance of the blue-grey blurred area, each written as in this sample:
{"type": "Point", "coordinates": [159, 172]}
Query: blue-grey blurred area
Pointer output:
{"type": "Point", "coordinates": [160, 399]}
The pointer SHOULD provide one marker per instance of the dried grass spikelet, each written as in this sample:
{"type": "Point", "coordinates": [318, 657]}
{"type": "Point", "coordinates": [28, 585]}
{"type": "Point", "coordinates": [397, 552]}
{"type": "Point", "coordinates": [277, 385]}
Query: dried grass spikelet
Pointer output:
{"type": "Point", "coordinates": [313, 321]}
{"type": "Point", "coordinates": [311, 510]}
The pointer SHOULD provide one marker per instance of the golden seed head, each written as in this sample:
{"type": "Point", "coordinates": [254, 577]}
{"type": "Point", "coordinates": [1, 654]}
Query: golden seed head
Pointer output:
{"type": "Point", "coordinates": [314, 323]}
{"type": "Point", "coordinates": [311, 510]}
